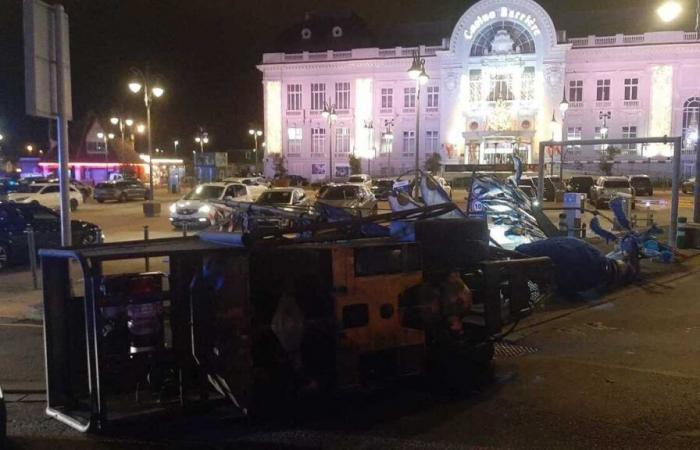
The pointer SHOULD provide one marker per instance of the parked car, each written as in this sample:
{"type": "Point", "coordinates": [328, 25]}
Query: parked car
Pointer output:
{"type": "Point", "coordinates": [354, 198]}
{"type": "Point", "coordinates": [382, 187]}
{"type": "Point", "coordinates": [688, 186]}
{"type": "Point", "coordinates": [530, 184]}
{"type": "Point", "coordinates": [642, 185]}
{"type": "Point", "coordinates": [84, 189]}
{"type": "Point", "coordinates": [283, 197]}
{"type": "Point", "coordinates": [606, 187]}
{"type": "Point", "coordinates": [257, 185]}
{"type": "Point", "coordinates": [120, 191]}
{"type": "Point", "coordinates": [296, 180]}
{"type": "Point", "coordinates": [580, 184]}
{"type": "Point", "coordinates": [16, 217]}
{"type": "Point", "coordinates": [46, 194]}
{"type": "Point", "coordinates": [361, 178]}
{"type": "Point", "coordinates": [196, 209]}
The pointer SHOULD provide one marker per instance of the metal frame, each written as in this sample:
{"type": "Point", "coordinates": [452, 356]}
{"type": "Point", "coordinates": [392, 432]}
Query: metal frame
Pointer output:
{"type": "Point", "coordinates": [676, 184]}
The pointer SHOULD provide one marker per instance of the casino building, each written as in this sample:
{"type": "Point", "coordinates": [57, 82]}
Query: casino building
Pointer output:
{"type": "Point", "coordinates": [496, 86]}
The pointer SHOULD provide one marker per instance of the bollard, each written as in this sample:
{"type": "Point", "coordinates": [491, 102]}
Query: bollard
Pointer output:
{"type": "Point", "coordinates": [31, 244]}
{"type": "Point", "coordinates": [583, 230]}
{"type": "Point", "coordinates": [563, 226]}
{"type": "Point", "coordinates": [680, 236]}
{"type": "Point", "coordinates": [145, 238]}
{"type": "Point", "coordinates": [184, 229]}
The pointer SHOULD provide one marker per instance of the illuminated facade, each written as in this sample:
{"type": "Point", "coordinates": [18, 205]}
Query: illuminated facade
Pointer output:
{"type": "Point", "coordinates": [494, 86]}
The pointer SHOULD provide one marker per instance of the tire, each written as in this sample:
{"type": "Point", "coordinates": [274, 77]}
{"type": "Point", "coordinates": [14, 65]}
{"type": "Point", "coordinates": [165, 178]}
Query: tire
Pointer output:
{"type": "Point", "coordinates": [4, 255]}
{"type": "Point", "coordinates": [123, 197]}
{"type": "Point", "coordinates": [73, 204]}
{"type": "Point", "coordinates": [100, 201]}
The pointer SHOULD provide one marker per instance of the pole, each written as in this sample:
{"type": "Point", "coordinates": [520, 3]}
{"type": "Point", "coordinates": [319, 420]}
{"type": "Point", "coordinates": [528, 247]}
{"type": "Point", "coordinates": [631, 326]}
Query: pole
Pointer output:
{"type": "Point", "coordinates": [255, 135]}
{"type": "Point", "coordinates": [696, 189]}
{"type": "Point", "coordinates": [330, 145]}
{"type": "Point", "coordinates": [147, 99]}
{"type": "Point", "coordinates": [562, 151]}
{"type": "Point", "coordinates": [676, 186]}
{"type": "Point", "coordinates": [540, 176]}
{"type": "Point", "coordinates": [62, 128]}
{"type": "Point", "coordinates": [417, 125]}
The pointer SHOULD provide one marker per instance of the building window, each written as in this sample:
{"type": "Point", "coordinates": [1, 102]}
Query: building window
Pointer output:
{"type": "Point", "coordinates": [342, 140]}
{"type": "Point", "coordinates": [294, 97]}
{"type": "Point", "coordinates": [409, 143]}
{"type": "Point", "coordinates": [318, 140]}
{"type": "Point", "coordinates": [576, 90]}
{"type": "Point", "coordinates": [387, 98]}
{"type": "Point", "coordinates": [574, 134]}
{"type": "Point", "coordinates": [433, 96]}
{"type": "Point", "coordinates": [691, 119]}
{"type": "Point", "coordinates": [432, 142]}
{"type": "Point", "coordinates": [627, 133]}
{"type": "Point", "coordinates": [409, 97]}
{"type": "Point", "coordinates": [387, 143]}
{"type": "Point", "coordinates": [318, 96]}
{"type": "Point", "coordinates": [501, 88]}
{"type": "Point", "coordinates": [603, 92]}
{"type": "Point", "coordinates": [631, 88]}
{"type": "Point", "coordinates": [475, 86]}
{"type": "Point", "coordinates": [294, 139]}
{"type": "Point", "coordinates": [342, 95]}
{"type": "Point", "coordinates": [528, 84]}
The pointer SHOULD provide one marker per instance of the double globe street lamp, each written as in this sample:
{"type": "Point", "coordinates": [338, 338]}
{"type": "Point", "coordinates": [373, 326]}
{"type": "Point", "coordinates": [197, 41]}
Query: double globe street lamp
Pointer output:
{"type": "Point", "coordinates": [256, 134]}
{"type": "Point", "coordinates": [331, 116]}
{"type": "Point", "coordinates": [151, 88]}
{"type": "Point", "coordinates": [122, 123]}
{"type": "Point", "coordinates": [417, 72]}
{"type": "Point", "coordinates": [202, 139]}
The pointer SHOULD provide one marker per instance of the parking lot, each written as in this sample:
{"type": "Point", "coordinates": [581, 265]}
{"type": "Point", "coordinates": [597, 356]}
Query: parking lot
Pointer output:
{"type": "Point", "coordinates": [126, 221]}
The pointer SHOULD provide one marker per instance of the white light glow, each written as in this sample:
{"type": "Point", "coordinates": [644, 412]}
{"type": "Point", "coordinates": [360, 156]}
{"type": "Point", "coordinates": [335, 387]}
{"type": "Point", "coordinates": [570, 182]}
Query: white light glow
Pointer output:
{"type": "Point", "coordinates": [114, 120]}
{"type": "Point", "coordinates": [134, 87]}
{"type": "Point", "coordinates": [503, 13]}
{"type": "Point", "coordinates": [158, 91]}
{"type": "Point", "coordinates": [273, 116]}
{"type": "Point", "coordinates": [669, 11]}
{"type": "Point", "coordinates": [363, 114]}
{"type": "Point", "coordinates": [661, 110]}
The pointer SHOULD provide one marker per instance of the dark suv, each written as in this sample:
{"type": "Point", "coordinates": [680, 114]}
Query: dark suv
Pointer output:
{"type": "Point", "coordinates": [580, 184]}
{"type": "Point", "coordinates": [16, 217]}
{"type": "Point", "coordinates": [120, 191]}
{"type": "Point", "coordinates": [642, 185]}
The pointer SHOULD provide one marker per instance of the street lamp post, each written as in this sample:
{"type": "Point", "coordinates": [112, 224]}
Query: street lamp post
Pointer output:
{"type": "Point", "coordinates": [330, 116]}
{"type": "Point", "coordinates": [417, 72]}
{"type": "Point", "coordinates": [105, 138]}
{"type": "Point", "coordinates": [369, 126]}
{"type": "Point", "coordinates": [151, 88]}
{"type": "Point", "coordinates": [256, 134]}
{"type": "Point", "coordinates": [389, 137]}
{"type": "Point", "coordinates": [122, 124]}
{"type": "Point", "coordinates": [202, 138]}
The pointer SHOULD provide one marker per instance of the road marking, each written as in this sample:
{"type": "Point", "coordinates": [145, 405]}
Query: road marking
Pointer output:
{"type": "Point", "coordinates": [22, 325]}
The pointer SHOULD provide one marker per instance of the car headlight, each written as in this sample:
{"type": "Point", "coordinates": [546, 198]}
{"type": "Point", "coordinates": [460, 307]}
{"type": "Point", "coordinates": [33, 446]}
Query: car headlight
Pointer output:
{"type": "Point", "coordinates": [205, 209]}
{"type": "Point", "coordinates": [173, 208]}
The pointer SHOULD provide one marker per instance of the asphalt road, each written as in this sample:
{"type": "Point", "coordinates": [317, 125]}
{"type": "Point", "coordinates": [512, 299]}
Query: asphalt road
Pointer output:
{"type": "Point", "coordinates": [621, 373]}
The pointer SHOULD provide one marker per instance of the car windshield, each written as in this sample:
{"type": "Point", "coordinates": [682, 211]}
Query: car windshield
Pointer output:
{"type": "Point", "coordinates": [275, 197]}
{"type": "Point", "coordinates": [616, 184]}
{"type": "Point", "coordinates": [205, 193]}
{"type": "Point", "coordinates": [105, 186]}
{"type": "Point", "coordinates": [581, 182]}
{"type": "Point", "coordinates": [356, 179]}
{"type": "Point", "coordinates": [384, 183]}
{"type": "Point", "coordinates": [340, 193]}
{"type": "Point", "coordinates": [33, 188]}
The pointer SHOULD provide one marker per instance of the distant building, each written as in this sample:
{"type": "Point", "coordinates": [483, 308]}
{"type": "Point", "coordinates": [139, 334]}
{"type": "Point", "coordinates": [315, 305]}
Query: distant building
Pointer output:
{"type": "Point", "coordinates": [495, 83]}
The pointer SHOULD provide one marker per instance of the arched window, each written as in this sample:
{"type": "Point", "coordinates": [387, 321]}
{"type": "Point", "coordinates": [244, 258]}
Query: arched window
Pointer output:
{"type": "Point", "coordinates": [691, 119]}
{"type": "Point", "coordinates": [495, 32]}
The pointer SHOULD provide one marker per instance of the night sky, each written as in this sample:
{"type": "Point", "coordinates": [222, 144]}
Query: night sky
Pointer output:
{"type": "Point", "coordinates": [206, 51]}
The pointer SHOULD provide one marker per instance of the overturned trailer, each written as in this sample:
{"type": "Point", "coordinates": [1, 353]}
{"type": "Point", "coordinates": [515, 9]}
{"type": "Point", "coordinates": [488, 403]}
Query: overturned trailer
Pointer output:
{"type": "Point", "coordinates": [274, 320]}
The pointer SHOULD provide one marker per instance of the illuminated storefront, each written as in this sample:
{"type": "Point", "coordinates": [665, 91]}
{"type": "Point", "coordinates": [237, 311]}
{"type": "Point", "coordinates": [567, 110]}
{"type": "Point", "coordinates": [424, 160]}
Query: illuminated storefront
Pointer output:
{"type": "Point", "coordinates": [496, 87]}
